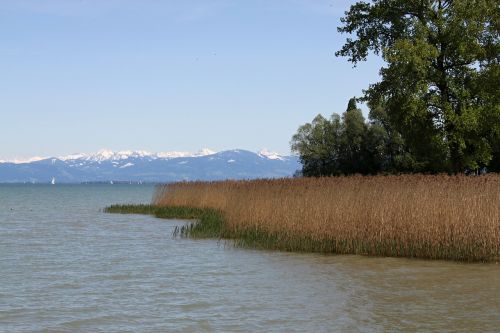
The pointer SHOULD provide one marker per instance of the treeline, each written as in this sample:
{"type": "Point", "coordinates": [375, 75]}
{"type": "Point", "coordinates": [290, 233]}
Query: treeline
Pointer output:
{"type": "Point", "coordinates": [348, 144]}
{"type": "Point", "coordinates": [437, 105]}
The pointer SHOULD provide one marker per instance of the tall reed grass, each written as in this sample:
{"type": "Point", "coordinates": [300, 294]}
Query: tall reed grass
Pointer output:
{"type": "Point", "coordinates": [435, 217]}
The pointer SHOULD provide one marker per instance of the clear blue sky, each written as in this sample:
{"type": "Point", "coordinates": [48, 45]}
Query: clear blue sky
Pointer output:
{"type": "Point", "coordinates": [81, 75]}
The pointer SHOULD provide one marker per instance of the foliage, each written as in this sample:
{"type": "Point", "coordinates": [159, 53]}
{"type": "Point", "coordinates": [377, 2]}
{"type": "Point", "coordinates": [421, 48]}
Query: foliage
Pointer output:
{"type": "Point", "coordinates": [439, 87]}
{"type": "Point", "coordinates": [349, 145]}
{"type": "Point", "coordinates": [318, 144]}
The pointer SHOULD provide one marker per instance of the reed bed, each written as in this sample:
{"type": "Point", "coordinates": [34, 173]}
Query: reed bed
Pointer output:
{"type": "Point", "coordinates": [434, 217]}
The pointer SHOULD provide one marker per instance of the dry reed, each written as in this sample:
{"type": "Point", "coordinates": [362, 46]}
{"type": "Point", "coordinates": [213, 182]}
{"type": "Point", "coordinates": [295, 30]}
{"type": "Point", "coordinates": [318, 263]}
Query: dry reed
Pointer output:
{"type": "Point", "coordinates": [435, 217]}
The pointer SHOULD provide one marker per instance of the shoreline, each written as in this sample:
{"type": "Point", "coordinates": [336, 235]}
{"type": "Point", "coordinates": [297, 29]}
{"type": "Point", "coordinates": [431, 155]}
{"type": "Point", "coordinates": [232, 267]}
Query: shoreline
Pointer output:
{"type": "Point", "coordinates": [414, 216]}
{"type": "Point", "coordinates": [210, 224]}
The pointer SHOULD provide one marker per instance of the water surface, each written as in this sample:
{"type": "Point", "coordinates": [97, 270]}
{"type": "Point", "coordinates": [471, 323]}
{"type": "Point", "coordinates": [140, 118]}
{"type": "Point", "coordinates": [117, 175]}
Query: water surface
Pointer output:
{"type": "Point", "coordinates": [67, 267]}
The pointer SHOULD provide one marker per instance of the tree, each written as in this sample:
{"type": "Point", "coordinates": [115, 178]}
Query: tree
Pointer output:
{"type": "Point", "coordinates": [341, 145]}
{"type": "Point", "coordinates": [317, 145]}
{"type": "Point", "coordinates": [440, 83]}
{"type": "Point", "coordinates": [351, 140]}
{"type": "Point", "coordinates": [390, 154]}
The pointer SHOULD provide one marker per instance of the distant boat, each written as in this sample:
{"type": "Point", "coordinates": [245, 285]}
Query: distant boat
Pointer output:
{"type": "Point", "coordinates": [111, 182]}
{"type": "Point", "coordinates": [53, 182]}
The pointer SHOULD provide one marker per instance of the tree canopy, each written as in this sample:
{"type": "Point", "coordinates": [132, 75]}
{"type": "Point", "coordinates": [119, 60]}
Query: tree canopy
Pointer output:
{"type": "Point", "coordinates": [348, 144]}
{"type": "Point", "coordinates": [439, 86]}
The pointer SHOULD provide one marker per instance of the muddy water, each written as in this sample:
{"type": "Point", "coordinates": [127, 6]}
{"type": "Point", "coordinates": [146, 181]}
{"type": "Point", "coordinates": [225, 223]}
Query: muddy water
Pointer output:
{"type": "Point", "coordinates": [67, 267]}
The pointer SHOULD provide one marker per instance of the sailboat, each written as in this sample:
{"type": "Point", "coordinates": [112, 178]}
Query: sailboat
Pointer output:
{"type": "Point", "coordinates": [53, 182]}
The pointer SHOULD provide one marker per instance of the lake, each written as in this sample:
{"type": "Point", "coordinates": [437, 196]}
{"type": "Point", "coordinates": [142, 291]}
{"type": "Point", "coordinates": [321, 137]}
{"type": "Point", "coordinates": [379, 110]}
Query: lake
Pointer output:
{"type": "Point", "coordinates": [67, 267]}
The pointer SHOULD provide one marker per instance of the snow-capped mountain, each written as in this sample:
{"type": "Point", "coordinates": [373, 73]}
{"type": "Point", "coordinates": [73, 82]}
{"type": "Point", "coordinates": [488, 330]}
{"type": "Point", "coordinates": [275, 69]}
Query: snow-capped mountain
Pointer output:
{"type": "Point", "coordinates": [143, 166]}
{"type": "Point", "coordinates": [270, 155]}
{"type": "Point", "coordinates": [107, 155]}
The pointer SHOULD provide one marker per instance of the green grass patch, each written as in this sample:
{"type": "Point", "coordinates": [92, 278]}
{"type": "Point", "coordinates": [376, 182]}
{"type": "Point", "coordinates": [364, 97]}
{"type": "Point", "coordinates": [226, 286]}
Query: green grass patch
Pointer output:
{"type": "Point", "coordinates": [209, 223]}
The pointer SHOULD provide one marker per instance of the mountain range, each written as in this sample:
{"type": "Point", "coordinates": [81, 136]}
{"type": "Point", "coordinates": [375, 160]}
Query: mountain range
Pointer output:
{"type": "Point", "coordinates": [142, 166]}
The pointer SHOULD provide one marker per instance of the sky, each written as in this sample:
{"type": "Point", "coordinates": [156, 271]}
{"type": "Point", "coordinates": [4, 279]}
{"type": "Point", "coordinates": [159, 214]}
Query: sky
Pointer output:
{"type": "Point", "coordinates": [84, 75]}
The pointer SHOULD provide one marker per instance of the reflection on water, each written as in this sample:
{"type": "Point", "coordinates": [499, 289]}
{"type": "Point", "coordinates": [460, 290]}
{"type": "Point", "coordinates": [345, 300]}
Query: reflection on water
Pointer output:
{"type": "Point", "coordinates": [67, 267]}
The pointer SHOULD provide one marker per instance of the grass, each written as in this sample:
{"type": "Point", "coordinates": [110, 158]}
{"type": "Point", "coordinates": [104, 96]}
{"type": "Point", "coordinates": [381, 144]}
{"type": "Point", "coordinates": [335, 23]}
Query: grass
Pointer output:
{"type": "Point", "coordinates": [433, 217]}
{"type": "Point", "coordinates": [209, 222]}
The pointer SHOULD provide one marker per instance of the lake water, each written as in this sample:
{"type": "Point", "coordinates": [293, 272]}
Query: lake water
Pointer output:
{"type": "Point", "coordinates": [67, 267]}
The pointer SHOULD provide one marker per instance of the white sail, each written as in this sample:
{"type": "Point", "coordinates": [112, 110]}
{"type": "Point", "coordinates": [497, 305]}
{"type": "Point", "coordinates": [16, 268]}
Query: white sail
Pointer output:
{"type": "Point", "coordinates": [53, 182]}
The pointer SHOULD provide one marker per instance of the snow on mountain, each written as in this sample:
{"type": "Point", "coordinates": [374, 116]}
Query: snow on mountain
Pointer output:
{"type": "Point", "coordinates": [270, 155]}
{"type": "Point", "coordinates": [23, 160]}
{"type": "Point", "coordinates": [127, 165]}
{"type": "Point", "coordinates": [143, 166]}
{"type": "Point", "coordinates": [109, 155]}
{"type": "Point", "coordinates": [72, 157]}
{"type": "Point", "coordinates": [176, 154]}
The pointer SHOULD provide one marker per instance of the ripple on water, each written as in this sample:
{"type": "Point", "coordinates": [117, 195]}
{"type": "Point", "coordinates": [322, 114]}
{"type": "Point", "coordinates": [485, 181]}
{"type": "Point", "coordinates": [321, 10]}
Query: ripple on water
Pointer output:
{"type": "Point", "coordinates": [67, 267]}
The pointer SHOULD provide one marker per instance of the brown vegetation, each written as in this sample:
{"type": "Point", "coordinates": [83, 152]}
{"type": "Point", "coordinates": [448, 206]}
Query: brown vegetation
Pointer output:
{"type": "Point", "coordinates": [438, 217]}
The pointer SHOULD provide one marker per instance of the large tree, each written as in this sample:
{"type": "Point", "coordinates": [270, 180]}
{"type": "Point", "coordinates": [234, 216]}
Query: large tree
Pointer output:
{"type": "Point", "coordinates": [439, 86]}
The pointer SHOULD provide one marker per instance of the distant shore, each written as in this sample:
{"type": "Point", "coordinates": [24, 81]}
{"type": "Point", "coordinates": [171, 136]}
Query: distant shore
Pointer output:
{"type": "Point", "coordinates": [431, 217]}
